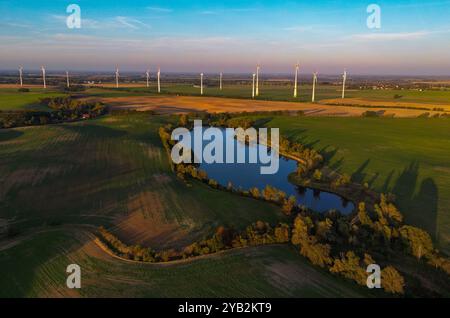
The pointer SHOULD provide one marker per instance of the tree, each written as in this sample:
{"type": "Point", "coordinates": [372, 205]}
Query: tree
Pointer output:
{"type": "Point", "coordinates": [300, 230]}
{"type": "Point", "coordinates": [317, 175]}
{"type": "Point", "coordinates": [349, 266]}
{"type": "Point", "coordinates": [392, 281]}
{"type": "Point", "coordinates": [318, 254]}
{"type": "Point", "coordinates": [289, 205]}
{"type": "Point", "coordinates": [418, 241]}
{"type": "Point", "coordinates": [323, 229]}
{"type": "Point", "coordinates": [282, 233]}
{"type": "Point", "coordinates": [184, 120]}
{"type": "Point", "coordinates": [363, 217]}
{"type": "Point", "coordinates": [386, 209]}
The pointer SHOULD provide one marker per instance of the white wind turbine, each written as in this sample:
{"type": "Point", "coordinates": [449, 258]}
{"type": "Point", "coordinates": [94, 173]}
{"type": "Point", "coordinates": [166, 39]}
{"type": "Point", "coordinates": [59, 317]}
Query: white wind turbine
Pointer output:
{"type": "Point", "coordinates": [117, 77]}
{"type": "Point", "coordinates": [201, 84]}
{"type": "Point", "coordinates": [257, 80]}
{"type": "Point", "coordinates": [147, 74]}
{"type": "Point", "coordinates": [159, 80]}
{"type": "Point", "coordinates": [220, 81]}
{"type": "Point", "coordinates": [253, 86]}
{"type": "Point", "coordinates": [297, 66]}
{"type": "Point", "coordinates": [20, 75]}
{"type": "Point", "coordinates": [314, 87]}
{"type": "Point", "coordinates": [43, 76]}
{"type": "Point", "coordinates": [344, 79]}
{"type": "Point", "coordinates": [67, 79]}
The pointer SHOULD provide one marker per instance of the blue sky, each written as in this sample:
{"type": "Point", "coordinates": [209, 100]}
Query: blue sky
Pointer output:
{"type": "Point", "coordinates": [212, 36]}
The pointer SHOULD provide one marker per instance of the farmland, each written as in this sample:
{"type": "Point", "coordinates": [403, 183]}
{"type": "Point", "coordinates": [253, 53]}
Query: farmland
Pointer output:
{"type": "Point", "coordinates": [60, 182]}
{"type": "Point", "coordinates": [259, 272]}
{"type": "Point", "coordinates": [408, 157]}
{"type": "Point", "coordinates": [11, 99]}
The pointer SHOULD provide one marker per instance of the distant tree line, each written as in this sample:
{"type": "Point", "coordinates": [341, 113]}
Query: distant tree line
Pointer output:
{"type": "Point", "coordinates": [63, 109]}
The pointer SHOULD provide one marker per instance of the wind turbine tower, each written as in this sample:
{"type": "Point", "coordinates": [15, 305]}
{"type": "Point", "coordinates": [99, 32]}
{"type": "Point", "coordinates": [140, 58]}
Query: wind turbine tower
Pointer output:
{"type": "Point", "coordinates": [20, 75]}
{"type": "Point", "coordinates": [159, 80]}
{"type": "Point", "coordinates": [253, 86]}
{"type": "Point", "coordinates": [257, 80]}
{"type": "Point", "coordinates": [201, 84]}
{"type": "Point", "coordinates": [344, 79]}
{"type": "Point", "coordinates": [147, 74]}
{"type": "Point", "coordinates": [43, 76]}
{"type": "Point", "coordinates": [220, 81]}
{"type": "Point", "coordinates": [117, 77]}
{"type": "Point", "coordinates": [314, 87]}
{"type": "Point", "coordinates": [67, 79]}
{"type": "Point", "coordinates": [297, 66]}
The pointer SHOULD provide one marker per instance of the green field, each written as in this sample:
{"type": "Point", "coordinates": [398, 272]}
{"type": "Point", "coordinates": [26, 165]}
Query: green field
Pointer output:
{"type": "Point", "coordinates": [11, 99]}
{"type": "Point", "coordinates": [99, 171]}
{"type": "Point", "coordinates": [408, 157]}
{"type": "Point", "coordinates": [270, 271]}
{"type": "Point", "coordinates": [59, 182]}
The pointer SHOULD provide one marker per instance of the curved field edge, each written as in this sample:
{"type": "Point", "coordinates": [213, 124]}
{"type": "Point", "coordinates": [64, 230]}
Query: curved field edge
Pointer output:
{"type": "Point", "coordinates": [266, 271]}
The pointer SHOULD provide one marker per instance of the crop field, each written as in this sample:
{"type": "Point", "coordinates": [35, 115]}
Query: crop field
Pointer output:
{"type": "Point", "coordinates": [283, 92]}
{"type": "Point", "coordinates": [111, 172]}
{"type": "Point", "coordinates": [276, 271]}
{"type": "Point", "coordinates": [408, 157]}
{"type": "Point", "coordinates": [11, 99]}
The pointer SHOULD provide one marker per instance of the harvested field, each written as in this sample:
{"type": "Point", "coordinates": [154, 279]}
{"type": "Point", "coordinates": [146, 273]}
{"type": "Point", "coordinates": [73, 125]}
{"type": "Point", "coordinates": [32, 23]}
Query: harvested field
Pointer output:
{"type": "Point", "coordinates": [186, 104]}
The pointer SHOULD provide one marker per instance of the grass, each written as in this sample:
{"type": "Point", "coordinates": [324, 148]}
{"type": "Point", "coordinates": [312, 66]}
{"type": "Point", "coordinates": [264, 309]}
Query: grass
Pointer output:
{"type": "Point", "coordinates": [11, 99]}
{"type": "Point", "coordinates": [408, 157]}
{"type": "Point", "coordinates": [270, 271]}
{"type": "Point", "coordinates": [112, 172]}
{"type": "Point", "coordinates": [284, 93]}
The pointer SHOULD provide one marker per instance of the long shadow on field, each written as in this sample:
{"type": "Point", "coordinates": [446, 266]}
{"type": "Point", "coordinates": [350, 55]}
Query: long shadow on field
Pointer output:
{"type": "Point", "coordinates": [95, 130]}
{"type": "Point", "coordinates": [359, 176]}
{"type": "Point", "coordinates": [6, 135]}
{"type": "Point", "coordinates": [421, 208]}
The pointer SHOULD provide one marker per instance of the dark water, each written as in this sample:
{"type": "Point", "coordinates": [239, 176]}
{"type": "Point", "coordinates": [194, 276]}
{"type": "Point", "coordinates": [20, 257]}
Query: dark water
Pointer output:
{"type": "Point", "coordinates": [247, 175]}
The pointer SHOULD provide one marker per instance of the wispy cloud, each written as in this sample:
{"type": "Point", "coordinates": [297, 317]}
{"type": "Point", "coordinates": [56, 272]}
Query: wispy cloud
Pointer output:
{"type": "Point", "coordinates": [159, 9]}
{"type": "Point", "coordinates": [108, 23]}
{"type": "Point", "coordinates": [131, 23]}
{"type": "Point", "coordinates": [390, 36]}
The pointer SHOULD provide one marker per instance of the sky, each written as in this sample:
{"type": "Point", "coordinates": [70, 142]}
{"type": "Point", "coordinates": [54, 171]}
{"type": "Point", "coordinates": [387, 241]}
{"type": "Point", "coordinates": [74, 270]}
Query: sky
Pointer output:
{"type": "Point", "coordinates": [230, 36]}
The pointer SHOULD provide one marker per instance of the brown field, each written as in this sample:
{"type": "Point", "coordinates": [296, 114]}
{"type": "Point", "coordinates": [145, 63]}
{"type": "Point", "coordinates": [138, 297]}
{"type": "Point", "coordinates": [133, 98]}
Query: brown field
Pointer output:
{"type": "Point", "coordinates": [184, 104]}
{"type": "Point", "coordinates": [365, 102]}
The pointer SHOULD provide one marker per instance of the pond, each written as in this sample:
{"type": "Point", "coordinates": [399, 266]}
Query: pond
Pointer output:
{"type": "Point", "coordinates": [247, 175]}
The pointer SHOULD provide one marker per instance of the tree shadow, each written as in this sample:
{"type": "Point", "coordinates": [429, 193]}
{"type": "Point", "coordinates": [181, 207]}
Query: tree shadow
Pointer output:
{"type": "Point", "coordinates": [6, 135]}
{"type": "Point", "coordinates": [359, 175]}
{"type": "Point", "coordinates": [420, 207]}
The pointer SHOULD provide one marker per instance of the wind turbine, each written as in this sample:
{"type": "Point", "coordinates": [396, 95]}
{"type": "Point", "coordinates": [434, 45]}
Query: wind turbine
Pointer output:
{"type": "Point", "coordinates": [20, 75]}
{"type": "Point", "coordinates": [117, 77]}
{"type": "Point", "coordinates": [220, 81]}
{"type": "Point", "coordinates": [297, 66]}
{"type": "Point", "coordinates": [67, 79]}
{"type": "Point", "coordinates": [159, 80]}
{"type": "Point", "coordinates": [201, 84]}
{"type": "Point", "coordinates": [314, 87]}
{"type": "Point", "coordinates": [43, 76]}
{"type": "Point", "coordinates": [257, 80]}
{"type": "Point", "coordinates": [253, 86]}
{"type": "Point", "coordinates": [344, 79]}
{"type": "Point", "coordinates": [147, 74]}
